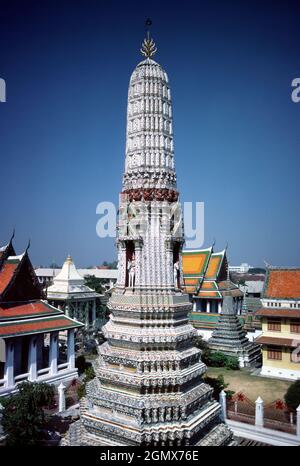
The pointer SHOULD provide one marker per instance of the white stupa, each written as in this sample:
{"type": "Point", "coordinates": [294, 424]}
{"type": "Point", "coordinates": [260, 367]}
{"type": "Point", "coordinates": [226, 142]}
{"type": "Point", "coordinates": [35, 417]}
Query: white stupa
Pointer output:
{"type": "Point", "coordinates": [70, 294]}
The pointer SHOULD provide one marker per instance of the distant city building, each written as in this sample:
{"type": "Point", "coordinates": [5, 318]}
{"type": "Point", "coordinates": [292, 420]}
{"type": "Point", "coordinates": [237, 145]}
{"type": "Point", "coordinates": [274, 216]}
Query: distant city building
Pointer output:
{"type": "Point", "coordinates": [46, 275]}
{"type": "Point", "coordinates": [280, 315]}
{"type": "Point", "coordinates": [243, 268]}
{"type": "Point", "coordinates": [73, 297]}
{"type": "Point", "coordinates": [30, 328]}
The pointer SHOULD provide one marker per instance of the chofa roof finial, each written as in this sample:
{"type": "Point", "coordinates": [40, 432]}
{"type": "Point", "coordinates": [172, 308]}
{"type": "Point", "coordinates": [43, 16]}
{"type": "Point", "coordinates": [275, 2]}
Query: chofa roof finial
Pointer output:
{"type": "Point", "coordinates": [148, 46]}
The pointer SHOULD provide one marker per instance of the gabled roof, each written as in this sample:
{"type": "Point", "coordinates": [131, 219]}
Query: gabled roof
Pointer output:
{"type": "Point", "coordinates": [18, 281]}
{"type": "Point", "coordinates": [214, 266]}
{"type": "Point", "coordinates": [282, 283]}
{"type": "Point", "coordinates": [22, 310]}
{"type": "Point", "coordinates": [8, 271]}
{"type": "Point", "coordinates": [204, 273]}
{"type": "Point", "coordinates": [195, 261]}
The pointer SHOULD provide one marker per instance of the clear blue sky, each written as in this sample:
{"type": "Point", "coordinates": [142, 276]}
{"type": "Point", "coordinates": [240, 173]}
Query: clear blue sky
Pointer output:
{"type": "Point", "coordinates": [62, 130]}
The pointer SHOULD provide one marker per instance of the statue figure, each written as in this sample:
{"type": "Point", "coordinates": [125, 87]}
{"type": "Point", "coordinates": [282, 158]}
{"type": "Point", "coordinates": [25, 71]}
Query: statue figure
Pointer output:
{"type": "Point", "coordinates": [176, 273]}
{"type": "Point", "coordinates": [131, 271]}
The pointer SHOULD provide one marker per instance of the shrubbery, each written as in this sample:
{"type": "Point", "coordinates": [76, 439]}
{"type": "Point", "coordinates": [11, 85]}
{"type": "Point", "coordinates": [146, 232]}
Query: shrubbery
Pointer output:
{"type": "Point", "coordinates": [23, 416]}
{"type": "Point", "coordinates": [292, 396]}
{"type": "Point", "coordinates": [215, 358]}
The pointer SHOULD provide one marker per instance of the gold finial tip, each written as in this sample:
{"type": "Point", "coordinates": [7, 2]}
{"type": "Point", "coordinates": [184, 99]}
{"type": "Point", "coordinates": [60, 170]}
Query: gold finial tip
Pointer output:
{"type": "Point", "coordinates": [148, 48]}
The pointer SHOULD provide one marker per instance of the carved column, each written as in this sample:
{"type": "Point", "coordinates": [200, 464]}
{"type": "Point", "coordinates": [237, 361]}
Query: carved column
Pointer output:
{"type": "Point", "coordinates": [9, 363]}
{"type": "Point", "coordinates": [53, 353]}
{"type": "Point", "coordinates": [32, 359]}
{"type": "Point", "coordinates": [71, 349]}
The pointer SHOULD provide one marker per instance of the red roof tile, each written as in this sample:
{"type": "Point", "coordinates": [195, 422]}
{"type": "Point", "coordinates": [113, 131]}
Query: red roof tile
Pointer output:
{"type": "Point", "coordinates": [31, 309]}
{"type": "Point", "coordinates": [278, 312]}
{"type": "Point", "coordinates": [26, 327]}
{"type": "Point", "coordinates": [283, 283]}
{"type": "Point", "coordinates": [6, 274]}
{"type": "Point", "coordinates": [274, 341]}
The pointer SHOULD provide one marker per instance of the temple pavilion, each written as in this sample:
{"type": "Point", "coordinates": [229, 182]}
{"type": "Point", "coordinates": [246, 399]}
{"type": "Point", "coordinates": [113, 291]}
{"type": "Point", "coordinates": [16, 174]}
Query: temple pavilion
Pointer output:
{"type": "Point", "coordinates": [73, 297]}
{"type": "Point", "coordinates": [205, 280]}
{"type": "Point", "coordinates": [280, 315]}
{"type": "Point", "coordinates": [30, 328]}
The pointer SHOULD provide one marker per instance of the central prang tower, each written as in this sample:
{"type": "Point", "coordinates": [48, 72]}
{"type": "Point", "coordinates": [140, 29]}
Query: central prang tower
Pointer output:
{"type": "Point", "coordinates": [148, 388]}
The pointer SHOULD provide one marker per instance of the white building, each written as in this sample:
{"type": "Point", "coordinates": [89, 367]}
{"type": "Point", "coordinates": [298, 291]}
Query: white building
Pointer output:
{"type": "Point", "coordinates": [243, 268]}
{"type": "Point", "coordinates": [73, 297]}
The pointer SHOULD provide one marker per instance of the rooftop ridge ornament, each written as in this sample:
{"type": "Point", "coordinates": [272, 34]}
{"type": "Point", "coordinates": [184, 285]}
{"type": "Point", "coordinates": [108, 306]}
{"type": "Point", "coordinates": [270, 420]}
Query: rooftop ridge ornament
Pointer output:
{"type": "Point", "coordinates": [148, 46]}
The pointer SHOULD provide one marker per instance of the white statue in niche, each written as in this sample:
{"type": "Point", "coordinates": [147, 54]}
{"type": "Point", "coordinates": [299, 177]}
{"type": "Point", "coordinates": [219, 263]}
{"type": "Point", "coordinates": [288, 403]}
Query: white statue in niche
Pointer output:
{"type": "Point", "coordinates": [176, 273]}
{"type": "Point", "coordinates": [131, 271]}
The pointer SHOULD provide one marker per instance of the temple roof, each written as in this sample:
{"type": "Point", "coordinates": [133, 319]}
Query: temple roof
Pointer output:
{"type": "Point", "coordinates": [18, 281]}
{"type": "Point", "coordinates": [205, 273]}
{"type": "Point", "coordinates": [37, 325]}
{"type": "Point", "coordinates": [282, 283]}
{"type": "Point", "coordinates": [12, 311]}
{"type": "Point", "coordinates": [22, 308]}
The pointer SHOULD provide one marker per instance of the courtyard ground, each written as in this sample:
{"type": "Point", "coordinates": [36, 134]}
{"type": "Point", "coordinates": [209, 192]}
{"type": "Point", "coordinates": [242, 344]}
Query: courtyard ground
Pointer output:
{"type": "Point", "coordinates": [252, 386]}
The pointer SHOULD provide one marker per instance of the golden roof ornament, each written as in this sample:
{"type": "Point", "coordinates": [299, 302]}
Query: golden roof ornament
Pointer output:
{"type": "Point", "coordinates": [148, 46]}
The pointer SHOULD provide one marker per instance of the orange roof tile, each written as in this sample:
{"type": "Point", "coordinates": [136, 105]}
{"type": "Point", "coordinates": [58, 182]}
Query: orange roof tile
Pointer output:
{"type": "Point", "coordinates": [209, 286]}
{"type": "Point", "coordinates": [213, 266]}
{"type": "Point", "coordinates": [194, 262]}
{"type": "Point", "coordinates": [6, 274]}
{"type": "Point", "coordinates": [209, 294]}
{"type": "Point", "coordinates": [283, 283]}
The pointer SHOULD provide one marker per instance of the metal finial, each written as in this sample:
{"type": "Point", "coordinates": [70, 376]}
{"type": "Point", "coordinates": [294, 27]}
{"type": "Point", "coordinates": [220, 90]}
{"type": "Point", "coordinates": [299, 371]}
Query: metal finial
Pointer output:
{"type": "Point", "coordinates": [148, 46]}
{"type": "Point", "coordinates": [28, 245]}
{"type": "Point", "coordinates": [12, 236]}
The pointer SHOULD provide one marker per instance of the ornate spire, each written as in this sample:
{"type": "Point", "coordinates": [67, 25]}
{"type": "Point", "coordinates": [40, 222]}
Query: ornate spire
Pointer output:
{"type": "Point", "coordinates": [148, 46]}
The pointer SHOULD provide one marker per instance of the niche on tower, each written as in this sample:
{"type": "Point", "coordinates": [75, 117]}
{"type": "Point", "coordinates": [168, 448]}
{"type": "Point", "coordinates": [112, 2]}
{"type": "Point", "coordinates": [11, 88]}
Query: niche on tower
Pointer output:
{"type": "Point", "coordinates": [176, 263]}
{"type": "Point", "coordinates": [130, 264]}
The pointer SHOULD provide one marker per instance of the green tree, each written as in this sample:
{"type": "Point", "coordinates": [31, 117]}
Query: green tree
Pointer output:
{"type": "Point", "coordinates": [94, 283]}
{"type": "Point", "coordinates": [292, 396]}
{"type": "Point", "coordinates": [23, 416]}
{"type": "Point", "coordinates": [218, 384]}
{"type": "Point", "coordinates": [232, 363]}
